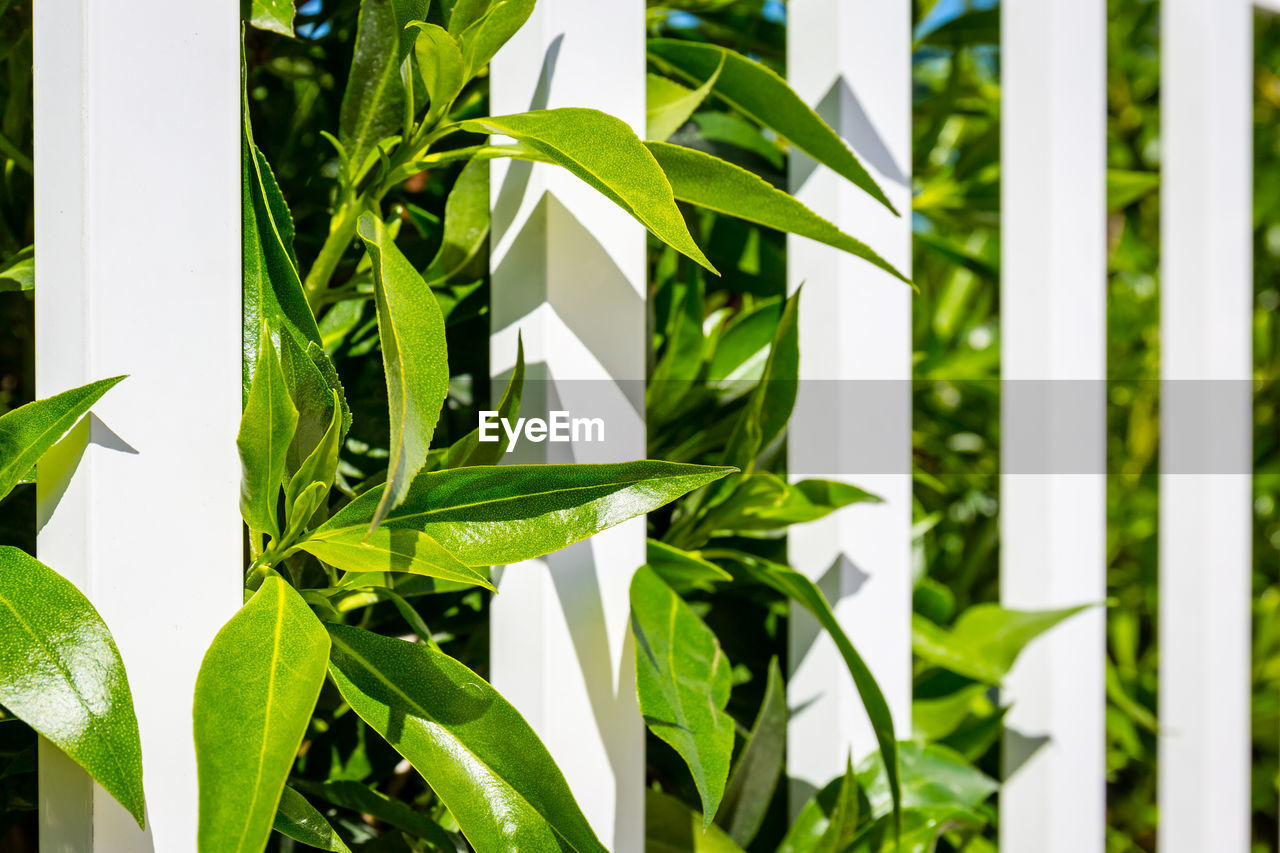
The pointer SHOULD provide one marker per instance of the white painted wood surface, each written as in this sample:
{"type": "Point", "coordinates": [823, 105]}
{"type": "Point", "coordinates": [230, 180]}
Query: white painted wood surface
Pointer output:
{"type": "Point", "coordinates": [1053, 360]}
{"type": "Point", "coordinates": [569, 273]}
{"type": "Point", "coordinates": [851, 60]}
{"type": "Point", "coordinates": [138, 229]}
{"type": "Point", "coordinates": [1205, 502]}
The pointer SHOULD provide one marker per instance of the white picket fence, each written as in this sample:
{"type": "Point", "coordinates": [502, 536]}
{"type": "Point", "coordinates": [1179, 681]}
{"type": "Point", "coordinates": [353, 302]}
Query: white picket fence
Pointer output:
{"type": "Point", "coordinates": [137, 215]}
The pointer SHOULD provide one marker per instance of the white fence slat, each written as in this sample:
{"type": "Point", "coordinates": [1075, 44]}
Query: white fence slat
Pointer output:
{"type": "Point", "coordinates": [1053, 358]}
{"type": "Point", "coordinates": [1206, 360]}
{"type": "Point", "coordinates": [852, 62]}
{"type": "Point", "coordinates": [568, 272]}
{"type": "Point", "coordinates": [138, 229]}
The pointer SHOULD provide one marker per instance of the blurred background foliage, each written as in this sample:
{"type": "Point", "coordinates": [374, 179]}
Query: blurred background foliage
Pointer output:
{"type": "Point", "coordinates": [295, 87]}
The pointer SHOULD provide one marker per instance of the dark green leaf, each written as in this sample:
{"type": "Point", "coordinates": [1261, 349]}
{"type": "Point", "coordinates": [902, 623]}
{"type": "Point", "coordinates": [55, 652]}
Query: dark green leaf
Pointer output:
{"type": "Point", "coordinates": [18, 271]}
{"type": "Point", "coordinates": [492, 516]}
{"type": "Point", "coordinates": [604, 152]}
{"type": "Point", "coordinates": [411, 329]}
{"type": "Point", "coordinates": [761, 94]}
{"type": "Point", "coordinates": [301, 821]}
{"type": "Point", "coordinates": [683, 683]}
{"type": "Point", "coordinates": [986, 639]}
{"type": "Point", "coordinates": [359, 797]}
{"type": "Point", "coordinates": [60, 672]}
{"type": "Point", "coordinates": [476, 752]}
{"type": "Point", "coordinates": [266, 431]}
{"type": "Point", "coordinates": [706, 181]}
{"type": "Point", "coordinates": [255, 692]}
{"type": "Point", "coordinates": [29, 431]}
{"type": "Point", "coordinates": [755, 775]}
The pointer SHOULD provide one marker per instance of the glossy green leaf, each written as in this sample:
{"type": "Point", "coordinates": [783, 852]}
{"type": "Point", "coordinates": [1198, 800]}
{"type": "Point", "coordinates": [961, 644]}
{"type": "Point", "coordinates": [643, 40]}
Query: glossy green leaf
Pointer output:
{"type": "Point", "coordinates": [672, 827]}
{"type": "Point", "coordinates": [683, 683]}
{"type": "Point", "coordinates": [255, 692]}
{"type": "Point", "coordinates": [683, 570]}
{"type": "Point", "coordinates": [411, 329]}
{"type": "Point", "coordinates": [476, 752]}
{"type": "Point", "coordinates": [466, 223]}
{"type": "Point", "coordinates": [932, 776]}
{"type": "Point", "coordinates": [764, 501]}
{"type": "Point", "coordinates": [301, 821]}
{"type": "Point", "coordinates": [604, 152]}
{"type": "Point", "coordinates": [470, 450]}
{"type": "Point", "coordinates": [491, 516]}
{"type": "Point", "coordinates": [828, 822]}
{"type": "Point", "coordinates": [742, 351]}
{"type": "Point", "coordinates": [272, 15]}
{"type": "Point", "coordinates": [755, 774]}
{"type": "Point", "coordinates": [986, 639]}
{"type": "Point", "coordinates": [668, 105]}
{"type": "Point", "coordinates": [761, 94]}
{"type": "Point", "coordinates": [358, 797]}
{"type": "Point", "coordinates": [387, 550]}
{"type": "Point", "coordinates": [373, 103]}
{"type": "Point", "coordinates": [266, 431]}
{"type": "Point", "coordinates": [313, 382]}
{"type": "Point", "coordinates": [272, 288]}
{"type": "Point", "coordinates": [60, 672]}
{"type": "Point", "coordinates": [440, 63]}
{"type": "Point", "coordinates": [27, 432]}
{"type": "Point", "coordinates": [482, 39]}
{"type": "Point", "coordinates": [804, 592]}
{"type": "Point", "coordinates": [706, 181]}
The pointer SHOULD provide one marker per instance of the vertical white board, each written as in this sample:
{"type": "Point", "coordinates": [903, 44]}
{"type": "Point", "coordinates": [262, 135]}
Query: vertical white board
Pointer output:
{"type": "Point", "coordinates": [568, 273]}
{"type": "Point", "coordinates": [139, 274]}
{"type": "Point", "coordinates": [851, 61]}
{"type": "Point", "coordinates": [1206, 362]}
{"type": "Point", "coordinates": [1053, 448]}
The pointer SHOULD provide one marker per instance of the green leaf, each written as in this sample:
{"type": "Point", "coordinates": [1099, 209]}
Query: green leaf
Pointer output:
{"type": "Point", "coordinates": [29, 431]}
{"type": "Point", "coordinates": [804, 592]}
{"type": "Point", "coordinates": [313, 382]}
{"type": "Point", "coordinates": [482, 39]}
{"type": "Point", "coordinates": [266, 431]}
{"type": "Point", "coordinates": [272, 287]}
{"type": "Point", "coordinates": [985, 640]}
{"type": "Point", "coordinates": [373, 103]}
{"type": "Point", "coordinates": [683, 570]}
{"type": "Point", "coordinates": [769, 407]}
{"type": "Point", "coordinates": [742, 351]}
{"type": "Point", "coordinates": [272, 15]}
{"type": "Point", "coordinates": [466, 223]}
{"type": "Point", "coordinates": [254, 695]}
{"type": "Point", "coordinates": [440, 64]}
{"type": "Point", "coordinates": [358, 797]}
{"type": "Point", "coordinates": [319, 469]}
{"type": "Point", "coordinates": [683, 682]}
{"type": "Point", "coordinates": [932, 776]}
{"type": "Point", "coordinates": [301, 821]}
{"type": "Point", "coordinates": [1124, 188]}
{"type": "Point", "coordinates": [668, 105]}
{"type": "Point", "coordinates": [764, 501]}
{"type": "Point", "coordinates": [755, 775]}
{"type": "Point", "coordinates": [465, 13]}
{"type": "Point", "coordinates": [496, 515]}
{"type": "Point", "coordinates": [729, 129]}
{"type": "Point", "coordinates": [411, 329]}
{"type": "Point", "coordinates": [765, 97]}
{"type": "Point", "coordinates": [475, 751]}
{"type": "Point", "coordinates": [18, 271]}
{"type": "Point", "coordinates": [60, 672]}
{"type": "Point", "coordinates": [672, 827]}
{"type": "Point", "coordinates": [470, 450]}
{"type": "Point", "coordinates": [706, 181]}
{"type": "Point", "coordinates": [828, 822]}
{"type": "Point", "coordinates": [387, 550]}
{"type": "Point", "coordinates": [604, 152]}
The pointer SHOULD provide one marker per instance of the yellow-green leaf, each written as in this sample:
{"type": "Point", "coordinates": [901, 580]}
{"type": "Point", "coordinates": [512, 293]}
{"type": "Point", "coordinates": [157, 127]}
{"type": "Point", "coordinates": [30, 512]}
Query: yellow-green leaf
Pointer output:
{"type": "Point", "coordinates": [388, 550]}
